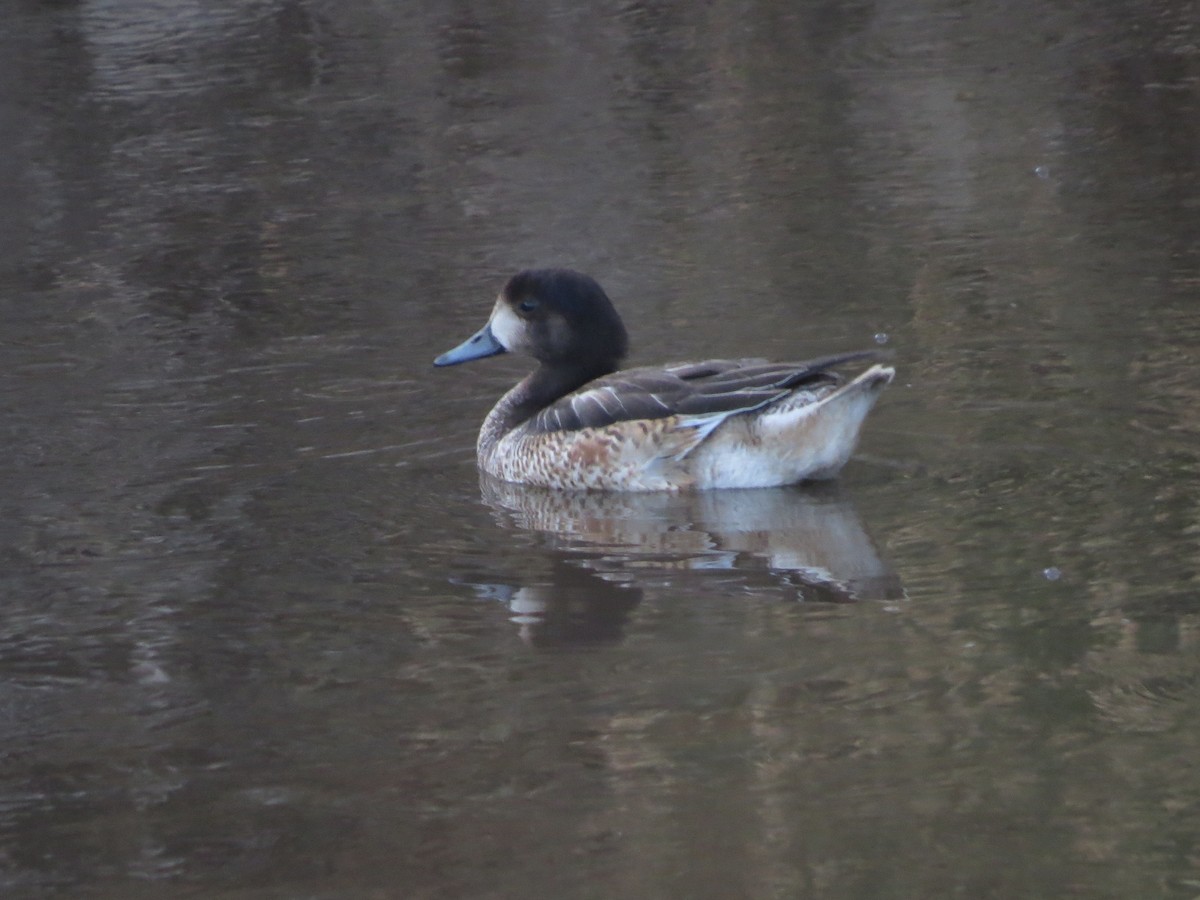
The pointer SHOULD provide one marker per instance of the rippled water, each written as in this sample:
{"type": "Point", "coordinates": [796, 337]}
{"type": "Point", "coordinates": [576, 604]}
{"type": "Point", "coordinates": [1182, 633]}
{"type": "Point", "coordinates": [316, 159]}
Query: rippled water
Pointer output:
{"type": "Point", "coordinates": [265, 632]}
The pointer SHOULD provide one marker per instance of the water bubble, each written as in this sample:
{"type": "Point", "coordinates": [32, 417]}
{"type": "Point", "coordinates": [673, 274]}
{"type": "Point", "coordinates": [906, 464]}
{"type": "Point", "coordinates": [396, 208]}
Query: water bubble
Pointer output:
{"type": "Point", "coordinates": [1052, 574]}
{"type": "Point", "coordinates": [881, 337]}
{"type": "Point", "coordinates": [1042, 172]}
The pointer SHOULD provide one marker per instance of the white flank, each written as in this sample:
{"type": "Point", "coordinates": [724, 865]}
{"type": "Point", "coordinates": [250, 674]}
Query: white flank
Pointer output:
{"type": "Point", "coordinates": [784, 444]}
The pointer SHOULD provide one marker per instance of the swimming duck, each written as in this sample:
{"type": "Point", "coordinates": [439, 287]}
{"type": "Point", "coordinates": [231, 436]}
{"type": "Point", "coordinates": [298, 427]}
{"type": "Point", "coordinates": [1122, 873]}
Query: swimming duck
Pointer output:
{"type": "Point", "coordinates": [576, 422]}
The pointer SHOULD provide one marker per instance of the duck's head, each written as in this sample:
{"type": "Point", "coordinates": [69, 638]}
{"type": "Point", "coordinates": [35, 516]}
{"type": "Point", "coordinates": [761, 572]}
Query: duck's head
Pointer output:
{"type": "Point", "coordinates": [559, 317]}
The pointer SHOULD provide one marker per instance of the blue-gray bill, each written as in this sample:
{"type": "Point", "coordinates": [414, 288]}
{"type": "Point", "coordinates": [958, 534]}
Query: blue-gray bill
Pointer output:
{"type": "Point", "coordinates": [478, 346]}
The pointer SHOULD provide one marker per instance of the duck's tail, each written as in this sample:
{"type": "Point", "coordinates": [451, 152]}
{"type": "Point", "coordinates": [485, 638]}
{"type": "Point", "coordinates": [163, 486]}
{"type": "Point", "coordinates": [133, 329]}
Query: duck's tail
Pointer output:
{"type": "Point", "coordinates": [807, 435]}
{"type": "Point", "coordinates": [822, 436]}
{"type": "Point", "coordinates": [872, 381]}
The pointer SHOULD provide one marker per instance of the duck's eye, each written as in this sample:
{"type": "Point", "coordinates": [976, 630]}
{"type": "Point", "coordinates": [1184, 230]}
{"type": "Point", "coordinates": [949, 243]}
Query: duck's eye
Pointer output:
{"type": "Point", "coordinates": [528, 305]}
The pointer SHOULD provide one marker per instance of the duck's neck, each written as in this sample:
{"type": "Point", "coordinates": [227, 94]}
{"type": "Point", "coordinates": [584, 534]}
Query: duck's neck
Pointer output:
{"type": "Point", "coordinates": [531, 395]}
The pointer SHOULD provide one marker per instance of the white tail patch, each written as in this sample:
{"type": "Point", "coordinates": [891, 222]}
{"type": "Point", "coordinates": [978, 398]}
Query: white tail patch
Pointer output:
{"type": "Point", "coordinates": [791, 440]}
{"type": "Point", "coordinates": [864, 388]}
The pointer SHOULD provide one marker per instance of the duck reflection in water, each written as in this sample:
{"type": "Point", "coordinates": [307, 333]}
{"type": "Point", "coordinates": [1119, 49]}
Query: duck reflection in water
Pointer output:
{"type": "Point", "coordinates": [605, 550]}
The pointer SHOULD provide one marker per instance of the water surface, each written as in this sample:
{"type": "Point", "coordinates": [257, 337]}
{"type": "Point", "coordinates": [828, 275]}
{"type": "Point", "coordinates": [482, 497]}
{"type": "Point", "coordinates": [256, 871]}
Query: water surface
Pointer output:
{"type": "Point", "coordinates": [265, 632]}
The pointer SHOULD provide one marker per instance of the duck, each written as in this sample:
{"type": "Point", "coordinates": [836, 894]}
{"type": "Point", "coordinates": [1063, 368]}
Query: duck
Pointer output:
{"type": "Point", "coordinates": [580, 422]}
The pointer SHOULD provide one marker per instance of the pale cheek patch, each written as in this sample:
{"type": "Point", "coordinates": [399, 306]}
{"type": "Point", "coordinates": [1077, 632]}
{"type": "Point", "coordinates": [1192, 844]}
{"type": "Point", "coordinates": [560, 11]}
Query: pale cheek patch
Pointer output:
{"type": "Point", "coordinates": [507, 327]}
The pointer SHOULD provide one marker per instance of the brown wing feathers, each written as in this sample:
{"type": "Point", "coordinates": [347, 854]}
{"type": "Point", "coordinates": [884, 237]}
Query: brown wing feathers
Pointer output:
{"type": "Point", "coordinates": [710, 387]}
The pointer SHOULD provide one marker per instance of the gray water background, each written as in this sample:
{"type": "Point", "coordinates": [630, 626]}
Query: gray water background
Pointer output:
{"type": "Point", "coordinates": [264, 633]}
